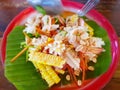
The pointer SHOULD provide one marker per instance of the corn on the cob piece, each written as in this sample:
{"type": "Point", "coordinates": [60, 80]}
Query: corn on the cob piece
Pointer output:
{"type": "Point", "coordinates": [60, 71]}
{"type": "Point", "coordinates": [47, 59]}
{"type": "Point", "coordinates": [52, 73]}
{"type": "Point", "coordinates": [47, 73]}
{"type": "Point", "coordinates": [35, 64]}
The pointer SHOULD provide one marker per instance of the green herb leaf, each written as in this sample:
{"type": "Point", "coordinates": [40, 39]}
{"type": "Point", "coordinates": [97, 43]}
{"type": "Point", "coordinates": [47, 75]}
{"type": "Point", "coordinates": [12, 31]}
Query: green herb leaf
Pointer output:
{"type": "Point", "coordinates": [37, 35]}
{"type": "Point", "coordinates": [40, 9]}
{"type": "Point", "coordinates": [30, 35]}
{"type": "Point", "coordinates": [62, 33]}
{"type": "Point", "coordinates": [23, 44]}
{"type": "Point", "coordinates": [56, 20]}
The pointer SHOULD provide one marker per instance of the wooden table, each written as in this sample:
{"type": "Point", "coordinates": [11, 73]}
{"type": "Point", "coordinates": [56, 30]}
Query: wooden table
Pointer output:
{"type": "Point", "coordinates": [109, 8]}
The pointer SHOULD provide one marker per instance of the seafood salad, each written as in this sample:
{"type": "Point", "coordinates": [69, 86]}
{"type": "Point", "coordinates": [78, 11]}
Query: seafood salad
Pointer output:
{"type": "Point", "coordinates": [60, 46]}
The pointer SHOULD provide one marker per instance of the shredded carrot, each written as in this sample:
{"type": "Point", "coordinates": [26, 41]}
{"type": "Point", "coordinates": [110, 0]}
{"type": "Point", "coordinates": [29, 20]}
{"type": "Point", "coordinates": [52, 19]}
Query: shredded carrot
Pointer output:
{"type": "Point", "coordinates": [69, 72]}
{"type": "Point", "coordinates": [53, 21]}
{"type": "Point", "coordinates": [53, 32]}
{"type": "Point", "coordinates": [61, 27]}
{"type": "Point", "coordinates": [61, 20]}
{"type": "Point", "coordinates": [83, 75]}
{"type": "Point", "coordinates": [72, 75]}
{"type": "Point", "coordinates": [64, 67]}
{"type": "Point", "coordinates": [86, 61]}
{"type": "Point", "coordinates": [45, 44]}
{"type": "Point", "coordinates": [83, 65]}
{"type": "Point", "coordinates": [41, 32]}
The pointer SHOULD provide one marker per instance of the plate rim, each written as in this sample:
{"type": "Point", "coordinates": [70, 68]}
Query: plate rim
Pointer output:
{"type": "Point", "coordinates": [111, 33]}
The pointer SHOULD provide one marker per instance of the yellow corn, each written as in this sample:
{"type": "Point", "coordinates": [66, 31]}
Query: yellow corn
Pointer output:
{"type": "Point", "coordinates": [90, 29]}
{"type": "Point", "coordinates": [74, 18]}
{"type": "Point", "coordinates": [47, 59]}
{"type": "Point", "coordinates": [45, 75]}
{"type": "Point", "coordinates": [35, 64]}
{"type": "Point", "coordinates": [52, 73]}
{"type": "Point", "coordinates": [60, 71]}
{"type": "Point", "coordinates": [49, 39]}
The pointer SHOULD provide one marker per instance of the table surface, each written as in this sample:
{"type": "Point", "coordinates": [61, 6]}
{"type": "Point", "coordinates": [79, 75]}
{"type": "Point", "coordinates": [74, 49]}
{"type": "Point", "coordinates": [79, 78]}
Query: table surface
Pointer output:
{"type": "Point", "coordinates": [109, 8]}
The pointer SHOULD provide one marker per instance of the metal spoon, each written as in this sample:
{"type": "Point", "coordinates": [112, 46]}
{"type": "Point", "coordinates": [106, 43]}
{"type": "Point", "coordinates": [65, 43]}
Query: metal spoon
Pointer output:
{"type": "Point", "coordinates": [56, 7]}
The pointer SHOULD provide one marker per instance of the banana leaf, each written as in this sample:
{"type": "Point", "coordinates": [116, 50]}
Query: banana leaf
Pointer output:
{"type": "Point", "coordinates": [104, 59]}
{"type": "Point", "coordinates": [23, 74]}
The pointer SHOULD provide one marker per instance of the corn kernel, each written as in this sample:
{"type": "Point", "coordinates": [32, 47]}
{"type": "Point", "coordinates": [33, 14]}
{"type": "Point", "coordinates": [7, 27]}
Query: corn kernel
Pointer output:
{"type": "Point", "coordinates": [50, 39]}
{"type": "Point", "coordinates": [60, 71]}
